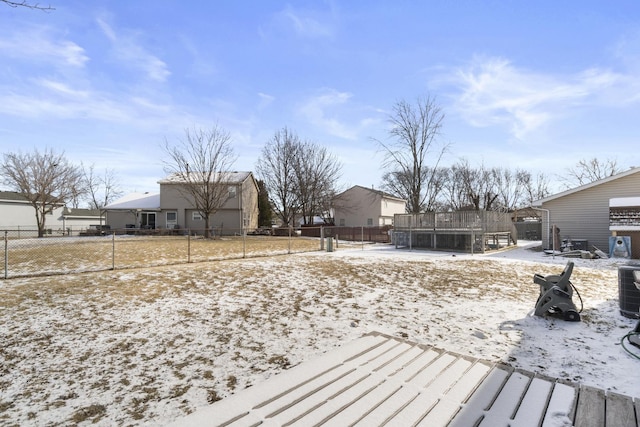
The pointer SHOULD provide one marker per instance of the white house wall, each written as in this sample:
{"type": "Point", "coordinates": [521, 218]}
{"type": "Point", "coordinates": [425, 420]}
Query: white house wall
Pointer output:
{"type": "Point", "coordinates": [16, 215]}
{"type": "Point", "coordinates": [390, 207]}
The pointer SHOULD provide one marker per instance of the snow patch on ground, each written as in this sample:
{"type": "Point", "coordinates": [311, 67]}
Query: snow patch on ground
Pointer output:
{"type": "Point", "coordinates": [146, 346]}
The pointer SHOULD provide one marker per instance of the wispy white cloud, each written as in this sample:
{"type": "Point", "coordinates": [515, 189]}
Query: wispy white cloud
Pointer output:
{"type": "Point", "coordinates": [46, 98]}
{"type": "Point", "coordinates": [131, 53]}
{"type": "Point", "coordinates": [42, 44]}
{"type": "Point", "coordinates": [265, 100]}
{"type": "Point", "coordinates": [308, 24]}
{"type": "Point", "coordinates": [323, 109]}
{"type": "Point", "coordinates": [494, 91]}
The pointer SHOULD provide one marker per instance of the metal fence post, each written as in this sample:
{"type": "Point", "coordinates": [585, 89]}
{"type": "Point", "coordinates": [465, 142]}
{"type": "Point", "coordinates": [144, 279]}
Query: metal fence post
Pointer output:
{"type": "Point", "coordinates": [362, 236]}
{"type": "Point", "coordinates": [188, 245]}
{"type": "Point", "coordinates": [6, 254]}
{"type": "Point", "coordinates": [244, 243]}
{"type": "Point", "coordinates": [113, 250]}
{"type": "Point", "coordinates": [289, 240]}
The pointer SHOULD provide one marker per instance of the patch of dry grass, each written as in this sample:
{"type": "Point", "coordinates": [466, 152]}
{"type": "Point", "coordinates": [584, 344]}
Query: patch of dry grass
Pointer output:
{"type": "Point", "coordinates": [37, 257]}
{"type": "Point", "coordinates": [124, 347]}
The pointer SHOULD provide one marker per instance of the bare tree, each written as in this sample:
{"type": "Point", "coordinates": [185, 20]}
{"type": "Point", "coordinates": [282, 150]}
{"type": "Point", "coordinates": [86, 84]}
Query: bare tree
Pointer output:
{"type": "Point", "coordinates": [536, 188]}
{"type": "Point", "coordinates": [300, 176]}
{"type": "Point", "coordinates": [413, 155]}
{"type": "Point", "coordinates": [200, 166]}
{"type": "Point", "coordinates": [276, 169]}
{"type": "Point", "coordinates": [586, 171]}
{"type": "Point", "coordinates": [472, 188]}
{"type": "Point", "coordinates": [510, 185]}
{"type": "Point", "coordinates": [26, 4]}
{"type": "Point", "coordinates": [400, 183]}
{"type": "Point", "coordinates": [316, 172]}
{"type": "Point", "coordinates": [101, 190]}
{"type": "Point", "coordinates": [47, 180]}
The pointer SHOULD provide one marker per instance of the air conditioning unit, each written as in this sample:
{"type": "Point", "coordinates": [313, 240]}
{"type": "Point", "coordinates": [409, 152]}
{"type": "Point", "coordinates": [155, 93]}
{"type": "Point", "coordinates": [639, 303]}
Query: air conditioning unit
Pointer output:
{"type": "Point", "coordinates": [629, 290]}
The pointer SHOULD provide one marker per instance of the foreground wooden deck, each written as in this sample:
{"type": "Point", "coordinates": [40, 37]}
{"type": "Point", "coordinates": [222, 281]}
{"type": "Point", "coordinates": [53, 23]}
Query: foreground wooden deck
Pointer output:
{"type": "Point", "coordinates": [381, 380]}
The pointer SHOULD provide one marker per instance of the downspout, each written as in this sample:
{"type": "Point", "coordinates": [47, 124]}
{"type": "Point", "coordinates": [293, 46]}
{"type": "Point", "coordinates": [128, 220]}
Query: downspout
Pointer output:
{"type": "Point", "coordinates": [553, 241]}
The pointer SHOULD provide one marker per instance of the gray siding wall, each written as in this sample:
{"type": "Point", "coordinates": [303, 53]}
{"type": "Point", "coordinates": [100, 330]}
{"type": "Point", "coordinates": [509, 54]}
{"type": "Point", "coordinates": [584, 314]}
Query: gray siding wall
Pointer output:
{"type": "Point", "coordinates": [585, 214]}
{"type": "Point", "coordinates": [229, 218]}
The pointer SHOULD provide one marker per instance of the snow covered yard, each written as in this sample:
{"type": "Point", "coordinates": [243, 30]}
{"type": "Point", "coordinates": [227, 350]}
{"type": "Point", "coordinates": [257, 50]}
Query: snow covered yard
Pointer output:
{"type": "Point", "coordinates": [146, 346]}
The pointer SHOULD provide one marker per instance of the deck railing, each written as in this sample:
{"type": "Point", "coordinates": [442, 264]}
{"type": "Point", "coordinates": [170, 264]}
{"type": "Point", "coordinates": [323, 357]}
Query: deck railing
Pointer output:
{"type": "Point", "coordinates": [483, 221]}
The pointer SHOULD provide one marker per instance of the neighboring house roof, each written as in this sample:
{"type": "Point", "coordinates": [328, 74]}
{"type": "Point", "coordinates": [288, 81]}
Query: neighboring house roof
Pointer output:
{"type": "Point", "coordinates": [81, 213]}
{"type": "Point", "coordinates": [586, 186]}
{"type": "Point", "coordinates": [374, 191]}
{"type": "Point", "coordinates": [15, 197]}
{"type": "Point", "coordinates": [12, 196]}
{"type": "Point", "coordinates": [136, 201]}
{"type": "Point", "coordinates": [227, 177]}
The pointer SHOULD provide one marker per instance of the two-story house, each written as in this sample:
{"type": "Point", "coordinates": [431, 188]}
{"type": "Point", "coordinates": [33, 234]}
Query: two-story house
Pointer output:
{"type": "Point", "coordinates": [172, 208]}
{"type": "Point", "coordinates": [362, 206]}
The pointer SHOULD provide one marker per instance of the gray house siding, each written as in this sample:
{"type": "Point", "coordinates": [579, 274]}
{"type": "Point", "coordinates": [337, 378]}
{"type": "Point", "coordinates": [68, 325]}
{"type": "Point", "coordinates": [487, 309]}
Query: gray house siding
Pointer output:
{"type": "Point", "coordinates": [239, 210]}
{"type": "Point", "coordinates": [583, 213]}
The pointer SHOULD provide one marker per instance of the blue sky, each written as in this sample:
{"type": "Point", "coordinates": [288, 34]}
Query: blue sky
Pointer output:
{"type": "Point", "coordinates": [530, 85]}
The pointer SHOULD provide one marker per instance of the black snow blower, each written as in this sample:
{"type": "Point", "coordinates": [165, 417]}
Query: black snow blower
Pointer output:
{"type": "Point", "coordinates": [556, 293]}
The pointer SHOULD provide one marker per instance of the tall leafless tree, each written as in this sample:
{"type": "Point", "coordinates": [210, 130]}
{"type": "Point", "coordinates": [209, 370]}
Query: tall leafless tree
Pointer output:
{"type": "Point", "coordinates": [200, 165]}
{"type": "Point", "coordinates": [101, 190]}
{"type": "Point", "coordinates": [510, 185]}
{"type": "Point", "coordinates": [46, 180]}
{"type": "Point", "coordinates": [586, 171]}
{"type": "Point", "coordinates": [413, 155]}
{"type": "Point", "coordinates": [300, 176]}
{"type": "Point", "coordinates": [276, 167]}
{"type": "Point", "coordinates": [536, 188]}
{"type": "Point", "coordinates": [472, 188]}
{"type": "Point", "coordinates": [316, 172]}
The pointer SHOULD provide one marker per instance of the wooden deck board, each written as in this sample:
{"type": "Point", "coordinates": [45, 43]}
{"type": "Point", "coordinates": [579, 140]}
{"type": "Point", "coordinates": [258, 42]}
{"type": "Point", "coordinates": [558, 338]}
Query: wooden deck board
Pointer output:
{"type": "Point", "coordinates": [383, 380]}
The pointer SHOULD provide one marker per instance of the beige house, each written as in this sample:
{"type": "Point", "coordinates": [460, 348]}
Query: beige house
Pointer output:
{"type": "Point", "coordinates": [174, 210]}
{"type": "Point", "coordinates": [583, 215]}
{"type": "Point", "coordinates": [362, 206]}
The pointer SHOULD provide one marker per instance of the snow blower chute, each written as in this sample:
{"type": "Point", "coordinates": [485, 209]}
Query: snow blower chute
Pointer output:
{"type": "Point", "coordinates": [556, 292]}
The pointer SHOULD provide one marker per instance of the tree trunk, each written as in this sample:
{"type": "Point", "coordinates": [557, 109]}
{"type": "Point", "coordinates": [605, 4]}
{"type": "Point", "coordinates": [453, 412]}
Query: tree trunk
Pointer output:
{"type": "Point", "coordinates": [207, 232]}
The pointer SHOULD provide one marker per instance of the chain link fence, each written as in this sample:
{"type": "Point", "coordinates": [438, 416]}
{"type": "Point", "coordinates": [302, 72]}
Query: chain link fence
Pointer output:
{"type": "Point", "coordinates": [23, 254]}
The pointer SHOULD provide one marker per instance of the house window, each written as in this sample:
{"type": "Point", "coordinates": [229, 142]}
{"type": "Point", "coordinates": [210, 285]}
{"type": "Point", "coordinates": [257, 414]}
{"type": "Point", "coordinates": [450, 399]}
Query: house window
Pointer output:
{"type": "Point", "coordinates": [342, 222]}
{"type": "Point", "coordinates": [196, 216]}
{"type": "Point", "coordinates": [148, 220]}
{"type": "Point", "coordinates": [172, 218]}
{"type": "Point", "coordinates": [369, 221]}
{"type": "Point", "coordinates": [232, 192]}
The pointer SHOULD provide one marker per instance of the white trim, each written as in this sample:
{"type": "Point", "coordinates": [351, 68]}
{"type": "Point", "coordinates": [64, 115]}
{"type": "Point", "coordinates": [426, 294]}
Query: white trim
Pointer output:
{"type": "Point", "coordinates": [540, 202]}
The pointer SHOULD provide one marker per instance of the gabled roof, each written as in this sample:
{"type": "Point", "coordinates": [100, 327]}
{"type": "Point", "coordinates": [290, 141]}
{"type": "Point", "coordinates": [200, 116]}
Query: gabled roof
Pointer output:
{"type": "Point", "coordinates": [586, 186]}
{"type": "Point", "coordinates": [136, 201]}
{"type": "Point", "coordinates": [77, 212]}
{"type": "Point", "coordinates": [12, 195]}
{"type": "Point", "coordinates": [16, 197]}
{"type": "Point", "coordinates": [227, 177]}
{"type": "Point", "coordinates": [374, 191]}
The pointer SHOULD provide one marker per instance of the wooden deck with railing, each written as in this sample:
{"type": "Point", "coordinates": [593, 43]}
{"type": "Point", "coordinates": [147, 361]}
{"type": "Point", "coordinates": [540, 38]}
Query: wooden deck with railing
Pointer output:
{"type": "Point", "coordinates": [461, 230]}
